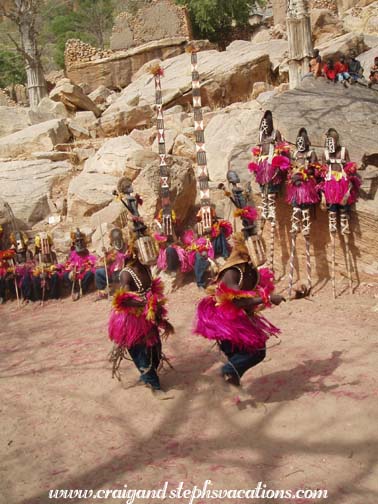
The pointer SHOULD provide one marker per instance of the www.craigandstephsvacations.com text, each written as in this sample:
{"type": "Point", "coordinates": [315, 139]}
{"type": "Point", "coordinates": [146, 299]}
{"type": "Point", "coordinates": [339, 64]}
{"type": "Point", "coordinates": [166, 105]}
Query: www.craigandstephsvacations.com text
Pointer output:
{"type": "Point", "coordinates": [189, 495]}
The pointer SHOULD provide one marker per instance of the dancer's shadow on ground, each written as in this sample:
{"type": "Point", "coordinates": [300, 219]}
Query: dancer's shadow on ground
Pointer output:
{"type": "Point", "coordinates": [306, 378]}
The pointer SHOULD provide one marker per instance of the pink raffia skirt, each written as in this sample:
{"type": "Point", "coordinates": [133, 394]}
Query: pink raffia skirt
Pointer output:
{"type": "Point", "coordinates": [335, 191]}
{"type": "Point", "coordinates": [227, 322]}
{"type": "Point", "coordinates": [304, 193]}
{"type": "Point", "coordinates": [128, 329]}
{"type": "Point", "coordinates": [266, 172]}
{"type": "Point", "coordinates": [185, 265]}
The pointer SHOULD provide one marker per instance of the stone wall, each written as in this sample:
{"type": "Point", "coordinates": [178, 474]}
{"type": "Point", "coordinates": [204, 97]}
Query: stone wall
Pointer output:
{"type": "Point", "coordinates": [157, 20]}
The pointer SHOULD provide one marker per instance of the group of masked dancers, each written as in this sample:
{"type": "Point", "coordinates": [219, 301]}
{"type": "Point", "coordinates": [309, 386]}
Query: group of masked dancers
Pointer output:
{"type": "Point", "coordinates": [241, 285]}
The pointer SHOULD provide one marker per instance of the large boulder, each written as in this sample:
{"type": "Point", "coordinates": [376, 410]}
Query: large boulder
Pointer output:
{"type": "Point", "coordinates": [230, 135]}
{"type": "Point", "coordinates": [183, 188]}
{"type": "Point", "coordinates": [39, 137]}
{"type": "Point", "coordinates": [123, 118]}
{"type": "Point", "coordinates": [316, 105]}
{"type": "Point", "coordinates": [13, 119]}
{"type": "Point", "coordinates": [367, 59]}
{"type": "Point", "coordinates": [342, 45]}
{"type": "Point", "coordinates": [154, 21]}
{"type": "Point", "coordinates": [226, 77]}
{"type": "Point", "coordinates": [325, 25]}
{"type": "Point", "coordinates": [115, 70]}
{"type": "Point", "coordinates": [362, 20]}
{"type": "Point", "coordinates": [73, 97]}
{"type": "Point", "coordinates": [92, 189]}
{"type": "Point", "coordinates": [27, 186]}
{"type": "Point", "coordinates": [46, 110]}
{"type": "Point", "coordinates": [100, 95]}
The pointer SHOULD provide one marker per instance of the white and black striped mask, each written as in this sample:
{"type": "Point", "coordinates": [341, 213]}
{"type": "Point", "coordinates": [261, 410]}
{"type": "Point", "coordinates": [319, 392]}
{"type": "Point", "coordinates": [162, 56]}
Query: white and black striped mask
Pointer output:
{"type": "Point", "coordinates": [301, 144]}
{"type": "Point", "coordinates": [331, 145]}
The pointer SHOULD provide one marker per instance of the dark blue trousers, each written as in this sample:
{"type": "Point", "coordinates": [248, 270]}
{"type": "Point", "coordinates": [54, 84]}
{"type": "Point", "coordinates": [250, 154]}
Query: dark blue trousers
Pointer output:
{"type": "Point", "coordinates": [27, 288]}
{"type": "Point", "coordinates": [147, 360]}
{"type": "Point", "coordinates": [100, 278]}
{"type": "Point", "coordinates": [220, 246]}
{"type": "Point", "coordinates": [334, 207]}
{"type": "Point", "coordinates": [173, 261]}
{"type": "Point", "coordinates": [239, 361]}
{"type": "Point", "coordinates": [200, 267]}
{"type": "Point", "coordinates": [85, 283]}
{"type": "Point", "coordinates": [3, 288]}
{"type": "Point", "coordinates": [52, 289]}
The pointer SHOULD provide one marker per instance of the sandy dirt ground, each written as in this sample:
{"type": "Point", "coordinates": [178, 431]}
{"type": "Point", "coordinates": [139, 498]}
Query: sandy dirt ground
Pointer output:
{"type": "Point", "coordinates": [305, 418]}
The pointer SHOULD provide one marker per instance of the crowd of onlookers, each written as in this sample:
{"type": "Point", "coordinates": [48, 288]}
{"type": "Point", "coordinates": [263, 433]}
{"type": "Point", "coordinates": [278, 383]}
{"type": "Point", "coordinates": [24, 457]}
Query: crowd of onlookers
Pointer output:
{"type": "Point", "coordinates": [346, 70]}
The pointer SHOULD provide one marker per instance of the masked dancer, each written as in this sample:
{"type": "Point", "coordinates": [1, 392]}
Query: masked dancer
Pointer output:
{"type": "Point", "coordinates": [302, 195]}
{"type": "Point", "coordinates": [80, 266]}
{"type": "Point", "coordinates": [47, 273]}
{"type": "Point", "coordinates": [6, 268]}
{"type": "Point", "coordinates": [114, 259]}
{"type": "Point", "coordinates": [24, 264]}
{"type": "Point", "coordinates": [138, 317]}
{"type": "Point", "coordinates": [340, 185]}
{"type": "Point", "coordinates": [270, 170]}
{"type": "Point", "coordinates": [230, 315]}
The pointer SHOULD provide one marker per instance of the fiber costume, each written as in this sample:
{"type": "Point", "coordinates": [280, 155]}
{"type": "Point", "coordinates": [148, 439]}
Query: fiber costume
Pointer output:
{"type": "Point", "coordinates": [138, 312]}
{"type": "Point", "coordinates": [47, 274]}
{"type": "Point", "coordinates": [24, 264]}
{"type": "Point", "coordinates": [114, 261]}
{"type": "Point", "coordinates": [6, 268]}
{"type": "Point", "coordinates": [80, 266]}
{"type": "Point", "coordinates": [270, 171]}
{"type": "Point", "coordinates": [340, 185]}
{"type": "Point", "coordinates": [221, 230]}
{"type": "Point", "coordinates": [200, 254]}
{"type": "Point", "coordinates": [229, 315]}
{"type": "Point", "coordinates": [302, 195]}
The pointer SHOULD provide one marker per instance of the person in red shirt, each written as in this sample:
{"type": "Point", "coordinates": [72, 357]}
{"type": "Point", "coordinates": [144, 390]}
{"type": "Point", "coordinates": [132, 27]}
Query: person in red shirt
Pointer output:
{"type": "Point", "coordinates": [342, 70]}
{"type": "Point", "coordinates": [329, 70]}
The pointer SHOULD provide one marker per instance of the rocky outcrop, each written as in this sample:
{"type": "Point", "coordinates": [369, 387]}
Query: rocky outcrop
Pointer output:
{"type": "Point", "coordinates": [226, 76]}
{"type": "Point", "coordinates": [100, 95]}
{"type": "Point", "coordinates": [122, 119]}
{"type": "Point", "coordinates": [316, 105]}
{"type": "Point", "coordinates": [115, 71]}
{"type": "Point", "coordinates": [46, 110]}
{"type": "Point", "coordinates": [73, 98]}
{"type": "Point", "coordinates": [342, 45]}
{"type": "Point", "coordinates": [362, 19]}
{"type": "Point", "coordinates": [230, 135]}
{"type": "Point", "coordinates": [92, 189]}
{"type": "Point", "coordinates": [183, 188]}
{"type": "Point", "coordinates": [367, 59]}
{"type": "Point", "coordinates": [325, 25]}
{"type": "Point", "coordinates": [40, 137]}
{"type": "Point", "coordinates": [28, 186]}
{"type": "Point", "coordinates": [13, 119]}
{"type": "Point", "coordinates": [155, 21]}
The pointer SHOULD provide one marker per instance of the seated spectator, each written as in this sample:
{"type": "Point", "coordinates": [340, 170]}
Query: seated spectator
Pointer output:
{"type": "Point", "coordinates": [355, 68]}
{"type": "Point", "coordinates": [342, 70]}
{"type": "Point", "coordinates": [373, 78]}
{"type": "Point", "coordinates": [316, 64]}
{"type": "Point", "coordinates": [329, 71]}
